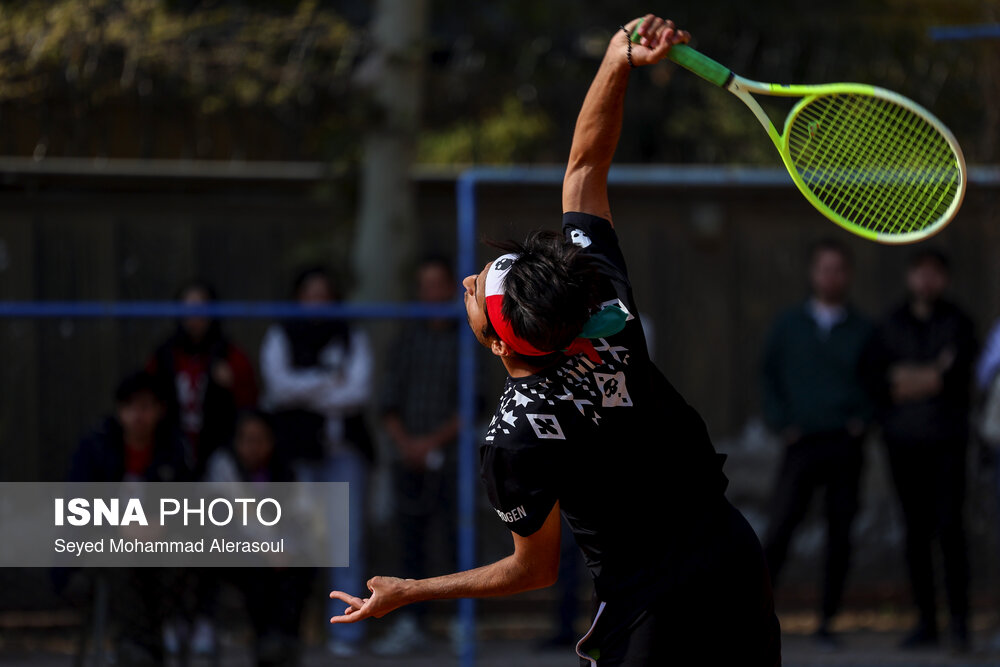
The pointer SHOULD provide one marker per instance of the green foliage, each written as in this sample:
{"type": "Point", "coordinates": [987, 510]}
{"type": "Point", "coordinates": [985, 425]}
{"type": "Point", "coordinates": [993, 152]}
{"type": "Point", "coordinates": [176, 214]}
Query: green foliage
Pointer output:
{"type": "Point", "coordinates": [505, 136]}
{"type": "Point", "coordinates": [220, 55]}
{"type": "Point", "coordinates": [273, 79]}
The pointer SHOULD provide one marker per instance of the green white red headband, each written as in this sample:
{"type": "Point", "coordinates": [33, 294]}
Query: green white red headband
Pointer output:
{"type": "Point", "coordinates": [606, 322]}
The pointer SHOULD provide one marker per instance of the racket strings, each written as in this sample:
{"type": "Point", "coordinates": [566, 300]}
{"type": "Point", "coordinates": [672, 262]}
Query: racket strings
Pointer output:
{"type": "Point", "coordinates": [873, 162]}
{"type": "Point", "coordinates": [903, 126]}
{"type": "Point", "coordinates": [852, 188]}
{"type": "Point", "coordinates": [902, 131]}
{"type": "Point", "coordinates": [919, 206]}
{"type": "Point", "coordinates": [842, 188]}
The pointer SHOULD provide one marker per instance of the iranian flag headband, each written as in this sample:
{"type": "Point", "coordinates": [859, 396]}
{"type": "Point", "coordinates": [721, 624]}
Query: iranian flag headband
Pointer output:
{"type": "Point", "coordinates": [606, 322]}
{"type": "Point", "coordinates": [495, 278]}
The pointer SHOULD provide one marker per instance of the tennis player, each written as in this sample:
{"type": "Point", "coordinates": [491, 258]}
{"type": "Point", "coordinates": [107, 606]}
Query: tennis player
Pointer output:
{"type": "Point", "coordinates": [589, 427]}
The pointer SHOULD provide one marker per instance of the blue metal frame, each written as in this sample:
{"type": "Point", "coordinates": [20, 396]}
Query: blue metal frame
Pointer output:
{"type": "Point", "coordinates": [954, 33]}
{"type": "Point", "coordinates": [465, 193]}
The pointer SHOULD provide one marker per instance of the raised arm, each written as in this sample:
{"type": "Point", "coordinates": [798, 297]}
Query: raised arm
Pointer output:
{"type": "Point", "coordinates": [585, 186]}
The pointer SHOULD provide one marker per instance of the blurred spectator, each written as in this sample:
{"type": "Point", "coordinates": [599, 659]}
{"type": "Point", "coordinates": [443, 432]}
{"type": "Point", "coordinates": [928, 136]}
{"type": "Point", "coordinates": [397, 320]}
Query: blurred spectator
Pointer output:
{"type": "Point", "coordinates": [274, 597]}
{"type": "Point", "coordinates": [252, 457]}
{"type": "Point", "coordinates": [211, 379]}
{"type": "Point", "coordinates": [317, 381]}
{"type": "Point", "coordinates": [989, 363]}
{"type": "Point", "coordinates": [815, 399]}
{"type": "Point", "coordinates": [922, 365]}
{"type": "Point", "coordinates": [419, 408]}
{"type": "Point", "coordinates": [136, 444]}
{"type": "Point", "coordinates": [988, 422]}
{"type": "Point", "coordinates": [210, 376]}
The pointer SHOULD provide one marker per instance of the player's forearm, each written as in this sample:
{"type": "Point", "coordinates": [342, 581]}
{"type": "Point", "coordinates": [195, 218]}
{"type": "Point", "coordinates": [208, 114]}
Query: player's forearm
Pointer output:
{"type": "Point", "coordinates": [504, 577]}
{"type": "Point", "coordinates": [599, 124]}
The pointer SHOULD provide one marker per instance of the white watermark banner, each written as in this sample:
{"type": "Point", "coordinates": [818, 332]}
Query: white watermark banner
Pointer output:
{"type": "Point", "coordinates": [173, 524]}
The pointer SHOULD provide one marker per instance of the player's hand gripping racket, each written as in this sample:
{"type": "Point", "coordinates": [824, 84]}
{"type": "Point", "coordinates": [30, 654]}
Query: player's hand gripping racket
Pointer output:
{"type": "Point", "coordinates": [872, 161]}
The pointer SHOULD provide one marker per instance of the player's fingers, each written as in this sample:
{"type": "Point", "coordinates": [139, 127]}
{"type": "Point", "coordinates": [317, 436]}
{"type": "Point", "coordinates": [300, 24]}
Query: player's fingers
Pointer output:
{"type": "Point", "coordinates": [651, 32]}
{"type": "Point", "coordinates": [643, 27]}
{"type": "Point", "coordinates": [352, 600]}
{"type": "Point", "coordinates": [353, 613]}
{"type": "Point", "coordinates": [665, 37]}
{"type": "Point", "coordinates": [349, 618]}
{"type": "Point", "coordinates": [665, 29]}
{"type": "Point", "coordinates": [660, 51]}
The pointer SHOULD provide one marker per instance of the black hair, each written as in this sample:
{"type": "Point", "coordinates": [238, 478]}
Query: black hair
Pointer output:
{"type": "Point", "coordinates": [549, 293]}
{"type": "Point", "coordinates": [929, 256]}
{"type": "Point", "coordinates": [137, 383]}
{"type": "Point", "coordinates": [831, 245]}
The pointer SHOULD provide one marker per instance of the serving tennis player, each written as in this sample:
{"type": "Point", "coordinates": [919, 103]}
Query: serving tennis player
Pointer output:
{"type": "Point", "coordinates": [589, 427]}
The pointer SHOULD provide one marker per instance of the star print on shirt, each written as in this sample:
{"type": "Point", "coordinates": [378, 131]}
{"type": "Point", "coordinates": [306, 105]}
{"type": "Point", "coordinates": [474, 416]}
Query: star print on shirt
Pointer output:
{"type": "Point", "coordinates": [589, 386]}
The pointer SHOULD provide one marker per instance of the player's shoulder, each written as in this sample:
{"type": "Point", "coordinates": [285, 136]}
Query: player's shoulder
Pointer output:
{"type": "Point", "coordinates": [528, 413]}
{"type": "Point", "coordinates": [583, 229]}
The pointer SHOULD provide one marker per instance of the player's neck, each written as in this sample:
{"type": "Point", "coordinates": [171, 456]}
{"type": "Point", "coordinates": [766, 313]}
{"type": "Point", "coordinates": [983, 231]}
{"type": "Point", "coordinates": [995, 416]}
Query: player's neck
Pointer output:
{"type": "Point", "coordinates": [519, 369]}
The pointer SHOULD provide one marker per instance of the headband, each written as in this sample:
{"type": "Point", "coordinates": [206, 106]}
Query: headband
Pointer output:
{"type": "Point", "coordinates": [609, 320]}
{"type": "Point", "coordinates": [495, 277]}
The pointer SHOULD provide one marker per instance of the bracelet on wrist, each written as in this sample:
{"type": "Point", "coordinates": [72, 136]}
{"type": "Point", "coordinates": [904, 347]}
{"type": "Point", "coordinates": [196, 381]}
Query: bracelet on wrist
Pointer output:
{"type": "Point", "coordinates": [628, 52]}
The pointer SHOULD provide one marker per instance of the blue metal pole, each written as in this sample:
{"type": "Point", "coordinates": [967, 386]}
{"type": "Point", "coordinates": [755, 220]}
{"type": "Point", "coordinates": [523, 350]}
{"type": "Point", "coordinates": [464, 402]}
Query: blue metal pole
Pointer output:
{"type": "Point", "coordinates": [954, 33]}
{"type": "Point", "coordinates": [467, 446]}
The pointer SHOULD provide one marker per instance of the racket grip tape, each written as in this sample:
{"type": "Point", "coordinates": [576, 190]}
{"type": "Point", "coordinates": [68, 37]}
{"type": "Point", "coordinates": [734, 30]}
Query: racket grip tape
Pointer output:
{"type": "Point", "coordinates": [694, 61]}
{"type": "Point", "coordinates": [700, 64]}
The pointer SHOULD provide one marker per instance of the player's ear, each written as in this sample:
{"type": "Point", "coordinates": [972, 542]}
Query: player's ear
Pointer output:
{"type": "Point", "coordinates": [500, 348]}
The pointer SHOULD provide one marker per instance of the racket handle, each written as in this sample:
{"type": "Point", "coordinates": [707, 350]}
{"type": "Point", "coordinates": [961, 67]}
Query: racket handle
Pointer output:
{"type": "Point", "coordinates": [694, 61]}
{"type": "Point", "coordinates": [700, 64]}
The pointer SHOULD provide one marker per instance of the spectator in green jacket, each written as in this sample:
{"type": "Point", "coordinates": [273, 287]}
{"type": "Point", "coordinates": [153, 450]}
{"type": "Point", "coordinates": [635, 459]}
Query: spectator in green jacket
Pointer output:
{"type": "Point", "coordinates": [815, 399]}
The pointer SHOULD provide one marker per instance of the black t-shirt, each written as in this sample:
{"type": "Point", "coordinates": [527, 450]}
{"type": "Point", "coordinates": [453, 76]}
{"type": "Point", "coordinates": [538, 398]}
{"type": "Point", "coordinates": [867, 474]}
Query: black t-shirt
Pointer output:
{"type": "Point", "coordinates": [629, 461]}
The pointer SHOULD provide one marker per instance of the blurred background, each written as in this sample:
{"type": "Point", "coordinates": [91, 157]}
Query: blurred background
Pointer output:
{"type": "Point", "coordinates": [282, 150]}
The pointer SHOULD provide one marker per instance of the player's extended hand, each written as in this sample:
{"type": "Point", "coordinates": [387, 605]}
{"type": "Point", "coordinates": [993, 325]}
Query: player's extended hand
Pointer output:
{"type": "Point", "coordinates": [656, 36]}
{"type": "Point", "coordinates": [388, 593]}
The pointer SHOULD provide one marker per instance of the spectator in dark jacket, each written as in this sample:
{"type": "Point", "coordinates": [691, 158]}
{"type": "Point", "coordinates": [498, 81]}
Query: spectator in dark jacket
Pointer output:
{"type": "Point", "coordinates": [211, 378]}
{"type": "Point", "coordinates": [922, 373]}
{"type": "Point", "coordinates": [815, 399]}
{"type": "Point", "coordinates": [136, 444]}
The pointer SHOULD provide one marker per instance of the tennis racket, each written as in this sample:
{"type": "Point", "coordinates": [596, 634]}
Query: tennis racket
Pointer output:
{"type": "Point", "coordinates": [876, 163]}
